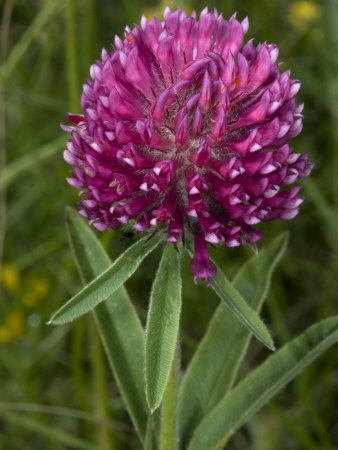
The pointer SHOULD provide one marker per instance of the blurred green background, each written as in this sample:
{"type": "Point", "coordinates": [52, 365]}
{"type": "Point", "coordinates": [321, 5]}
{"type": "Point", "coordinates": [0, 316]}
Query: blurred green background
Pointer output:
{"type": "Point", "coordinates": [56, 390]}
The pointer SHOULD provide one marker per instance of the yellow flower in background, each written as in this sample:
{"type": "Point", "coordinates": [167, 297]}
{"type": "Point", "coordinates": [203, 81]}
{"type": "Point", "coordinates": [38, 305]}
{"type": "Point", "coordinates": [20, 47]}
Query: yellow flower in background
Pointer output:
{"type": "Point", "coordinates": [15, 322]}
{"type": "Point", "coordinates": [302, 13]}
{"type": "Point", "coordinates": [33, 289]}
{"type": "Point", "coordinates": [30, 299]}
{"type": "Point", "coordinates": [5, 334]}
{"type": "Point", "coordinates": [41, 286]}
{"type": "Point", "coordinates": [14, 326]}
{"type": "Point", "coordinates": [10, 278]}
{"type": "Point", "coordinates": [36, 289]}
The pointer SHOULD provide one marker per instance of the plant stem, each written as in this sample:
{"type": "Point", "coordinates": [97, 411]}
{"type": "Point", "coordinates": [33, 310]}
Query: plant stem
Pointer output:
{"type": "Point", "coordinates": [148, 444]}
{"type": "Point", "coordinates": [5, 25]}
{"type": "Point", "coordinates": [89, 31]}
{"type": "Point", "coordinates": [168, 427]}
{"type": "Point", "coordinates": [128, 11]}
{"type": "Point", "coordinates": [78, 373]}
{"type": "Point", "coordinates": [105, 438]}
{"type": "Point", "coordinates": [72, 57]}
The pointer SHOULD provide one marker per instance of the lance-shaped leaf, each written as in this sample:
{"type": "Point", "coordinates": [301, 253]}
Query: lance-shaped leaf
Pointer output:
{"type": "Point", "coordinates": [215, 363]}
{"type": "Point", "coordinates": [107, 282]}
{"type": "Point", "coordinates": [242, 310]}
{"type": "Point", "coordinates": [162, 325]}
{"type": "Point", "coordinates": [116, 319]}
{"type": "Point", "coordinates": [251, 394]}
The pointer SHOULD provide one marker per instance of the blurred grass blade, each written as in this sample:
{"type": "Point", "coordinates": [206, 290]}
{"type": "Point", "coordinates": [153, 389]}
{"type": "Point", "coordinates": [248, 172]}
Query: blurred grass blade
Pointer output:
{"type": "Point", "coordinates": [251, 394]}
{"type": "Point", "coordinates": [294, 427]}
{"type": "Point", "coordinates": [107, 282]}
{"type": "Point", "coordinates": [214, 366]}
{"type": "Point", "coordinates": [45, 14]}
{"type": "Point", "coordinates": [328, 213]}
{"type": "Point", "coordinates": [41, 251]}
{"type": "Point", "coordinates": [242, 310]}
{"type": "Point", "coordinates": [116, 319]}
{"type": "Point", "coordinates": [162, 325]}
{"type": "Point", "coordinates": [55, 435]}
{"type": "Point", "coordinates": [29, 161]}
{"type": "Point", "coordinates": [23, 203]}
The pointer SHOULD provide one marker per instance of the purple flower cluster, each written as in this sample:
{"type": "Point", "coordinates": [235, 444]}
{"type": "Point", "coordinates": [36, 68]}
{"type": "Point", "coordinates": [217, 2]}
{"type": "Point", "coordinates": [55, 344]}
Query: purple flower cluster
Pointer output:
{"type": "Point", "coordinates": [183, 125]}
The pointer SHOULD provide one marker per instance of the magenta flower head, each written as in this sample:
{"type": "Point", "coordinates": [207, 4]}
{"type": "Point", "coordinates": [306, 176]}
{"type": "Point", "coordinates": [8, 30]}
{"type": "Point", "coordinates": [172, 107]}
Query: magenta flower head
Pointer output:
{"type": "Point", "coordinates": [186, 129]}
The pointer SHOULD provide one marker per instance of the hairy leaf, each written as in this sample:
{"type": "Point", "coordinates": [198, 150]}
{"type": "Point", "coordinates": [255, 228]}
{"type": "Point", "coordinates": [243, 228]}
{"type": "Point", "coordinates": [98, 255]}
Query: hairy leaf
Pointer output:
{"type": "Point", "coordinates": [251, 394]}
{"type": "Point", "coordinates": [169, 424]}
{"type": "Point", "coordinates": [107, 282]}
{"type": "Point", "coordinates": [116, 319]}
{"type": "Point", "coordinates": [162, 325]}
{"type": "Point", "coordinates": [215, 364]}
{"type": "Point", "coordinates": [242, 310]}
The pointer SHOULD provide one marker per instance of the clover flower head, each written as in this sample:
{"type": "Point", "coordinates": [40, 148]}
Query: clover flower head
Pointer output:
{"type": "Point", "coordinates": [187, 129]}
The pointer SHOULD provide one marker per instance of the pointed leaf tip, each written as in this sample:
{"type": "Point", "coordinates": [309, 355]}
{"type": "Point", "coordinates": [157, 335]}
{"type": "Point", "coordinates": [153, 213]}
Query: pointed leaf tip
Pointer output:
{"type": "Point", "coordinates": [213, 369]}
{"type": "Point", "coordinates": [102, 287]}
{"type": "Point", "coordinates": [242, 310]}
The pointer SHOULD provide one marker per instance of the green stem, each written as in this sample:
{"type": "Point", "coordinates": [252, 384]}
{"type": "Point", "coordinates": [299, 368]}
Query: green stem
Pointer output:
{"type": "Point", "coordinates": [105, 437]}
{"type": "Point", "coordinates": [148, 444]}
{"type": "Point", "coordinates": [168, 427]}
{"type": "Point", "coordinates": [89, 31]}
{"type": "Point", "coordinates": [5, 25]}
{"type": "Point", "coordinates": [78, 342]}
{"type": "Point", "coordinates": [72, 57]}
{"type": "Point", "coordinates": [128, 10]}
